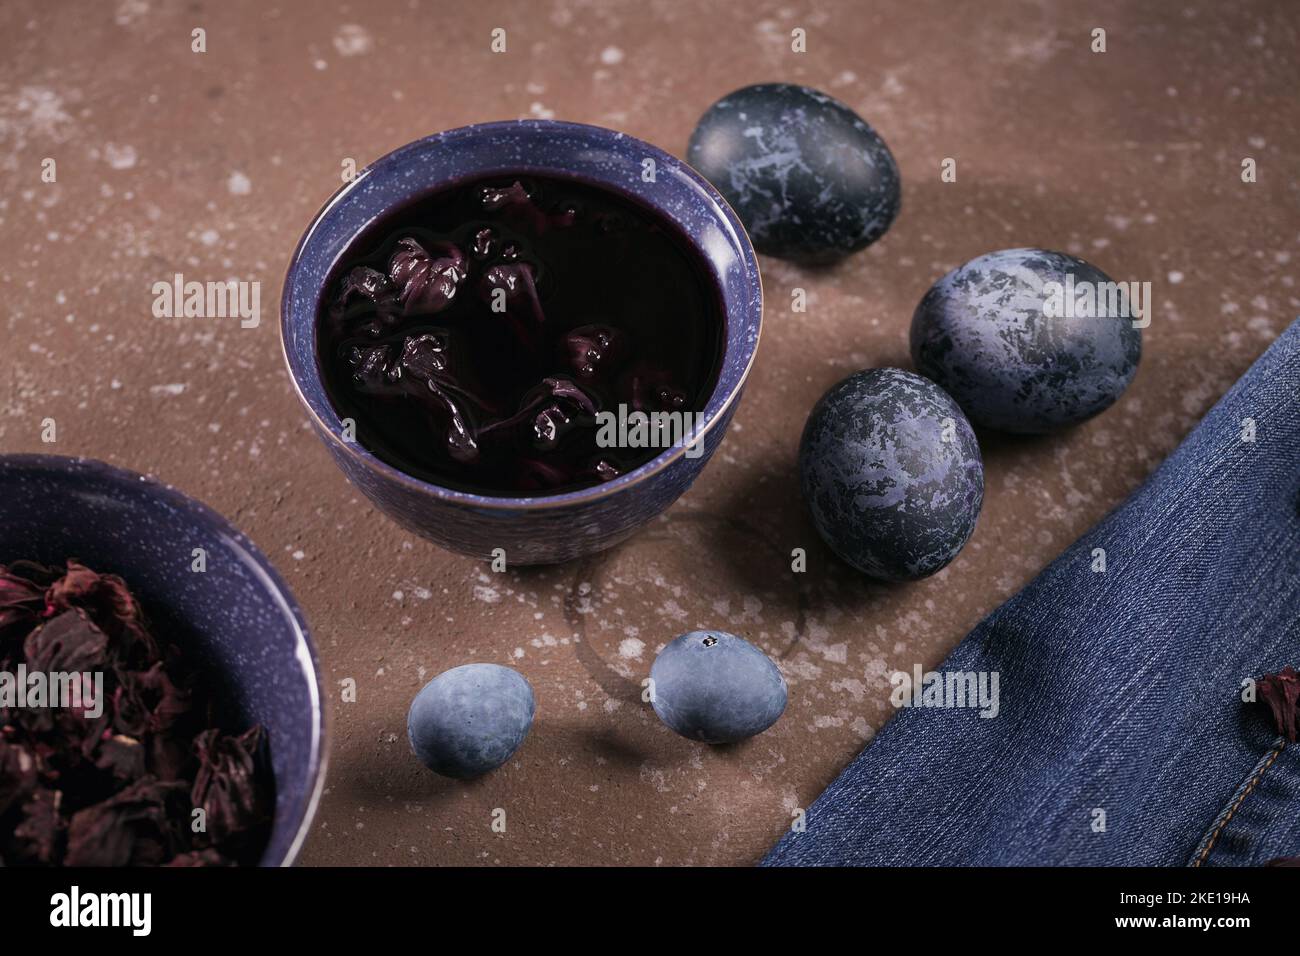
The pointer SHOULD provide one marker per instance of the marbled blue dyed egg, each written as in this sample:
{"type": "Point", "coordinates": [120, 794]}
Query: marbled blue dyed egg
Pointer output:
{"type": "Point", "coordinates": [807, 176]}
{"type": "Point", "coordinates": [470, 719]}
{"type": "Point", "coordinates": [985, 334]}
{"type": "Point", "coordinates": [891, 473]}
{"type": "Point", "coordinates": [716, 687]}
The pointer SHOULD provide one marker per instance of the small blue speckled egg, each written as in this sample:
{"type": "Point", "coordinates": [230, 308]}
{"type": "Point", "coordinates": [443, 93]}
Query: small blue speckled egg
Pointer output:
{"type": "Point", "coordinates": [470, 719]}
{"type": "Point", "coordinates": [716, 687]}
{"type": "Point", "coordinates": [991, 333]}
{"type": "Point", "coordinates": [808, 177]}
{"type": "Point", "coordinates": [891, 473]}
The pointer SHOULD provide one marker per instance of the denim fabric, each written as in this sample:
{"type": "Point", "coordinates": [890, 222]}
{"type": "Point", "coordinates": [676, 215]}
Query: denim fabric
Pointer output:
{"type": "Point", "coordinates": [1120, 691]}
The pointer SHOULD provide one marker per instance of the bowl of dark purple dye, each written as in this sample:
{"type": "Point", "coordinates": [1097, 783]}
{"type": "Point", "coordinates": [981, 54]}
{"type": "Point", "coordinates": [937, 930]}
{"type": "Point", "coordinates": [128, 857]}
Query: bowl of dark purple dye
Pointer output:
{"type": "Point", "coordinates": [230, 615]}
{"type": "Point", "coordinates": [523, 339]}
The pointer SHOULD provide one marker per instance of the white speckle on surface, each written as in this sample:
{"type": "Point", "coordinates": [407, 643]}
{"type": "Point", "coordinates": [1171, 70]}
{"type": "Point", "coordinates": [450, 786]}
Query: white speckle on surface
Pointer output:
{"type": "Point", "coordinates": [1175, 278]}
{"type": "Point", "coordinates": [35, 111]}
{"type": "Point", "coordinates": [209, 237]}
{"type": "Point", "coordinates": [239, 184]}
{"type": "Point", "coordinates": [175, 388]}
{"type": "Point", "coordinates": [611, 56]}
{"type": "Point", "coordinates": [671, 609]}
{"type": "Point", "coordinates": [486, 594]}
{"type": "Point", "coordinates": [128, 11]}
{"type": "Point", "coordinates": [120, 156]}
{"type": "Point", "coordinates": [631, 648]}
{"type": "Point", "coordinates": [352, 39]}
{"type": "Point", "coordinates": [298, 556]}
{"type": "Point", "coordinates": [835, 653]}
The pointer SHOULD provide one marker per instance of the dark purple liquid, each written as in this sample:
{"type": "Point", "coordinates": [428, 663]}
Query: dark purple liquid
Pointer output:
{"type": "Point", "coordinates": [473, 335]}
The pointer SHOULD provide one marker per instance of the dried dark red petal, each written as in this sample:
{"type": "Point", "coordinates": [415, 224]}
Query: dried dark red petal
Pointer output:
{"type": "Point", "coordinates": [21, 599]}
{"type": "Point", "coordinates": [167, 701]}
{"type": "Point", "coordinates": [226, 785]}
{"type": "Point", "coordinates": [17, 773]}
{"type": "Point", "coordinates": [1281, 692]}
{"type": "Point", "coordinates": [122, 756]}
{"type": "Point", "coordinates": [68, 642]}
{"type": "Point", "coordinates": [110, 790]}
{"type": "Point", "coordinates": [132, 826]}
{"type": "Point", "coordinates": [36, 837]}
{"type": "Point", "coordinates": [108, 602]}
{"type": "Point", "coordinates": [146, 702]}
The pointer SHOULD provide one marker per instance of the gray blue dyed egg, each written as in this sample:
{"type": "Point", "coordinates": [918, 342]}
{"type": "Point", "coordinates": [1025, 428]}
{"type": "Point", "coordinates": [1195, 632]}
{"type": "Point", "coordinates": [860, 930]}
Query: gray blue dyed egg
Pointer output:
{"type": "Point", "coordinates": [470, 719]}
{"type": "Point", "coordinates": [1004, 335]}
{"type": "Point", "coordinates": [891, 473]}
{"type": "Point", "coordinates": [716, 687]}
{"type": "Point", "coordinates": [807, 176]}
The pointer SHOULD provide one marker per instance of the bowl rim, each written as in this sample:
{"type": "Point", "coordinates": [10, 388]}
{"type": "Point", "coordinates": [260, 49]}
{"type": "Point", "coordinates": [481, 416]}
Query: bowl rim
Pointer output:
{"type": "Point", "coordinates": [566, 499]}
{"type": "Point", "coordinates": [270, 579]}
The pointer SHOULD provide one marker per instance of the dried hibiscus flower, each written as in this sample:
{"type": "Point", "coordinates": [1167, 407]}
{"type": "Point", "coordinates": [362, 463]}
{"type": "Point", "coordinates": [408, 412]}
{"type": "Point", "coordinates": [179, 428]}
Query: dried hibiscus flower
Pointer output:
{"type": "Point", "coordinates": [68, 642]}
{"type": "Point", "coordinates": [132, 826]}
{"type": "Point", "coordinates": [1281, 691]}
{"type": "Point", "coordinates": [21, 600]}
{"type": "Point", "coordinates": [130, 768]}
{"type": "Point", "coordinates": [37, 832]}
{"type": "Point", "coordinates": [226, 784]}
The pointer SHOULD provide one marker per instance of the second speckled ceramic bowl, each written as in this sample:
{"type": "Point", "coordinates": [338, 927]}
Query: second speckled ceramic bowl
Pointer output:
{"type": "Point", "coordinates": [236, 618]}
{"type": "Point", "coordinates": [552, 528]}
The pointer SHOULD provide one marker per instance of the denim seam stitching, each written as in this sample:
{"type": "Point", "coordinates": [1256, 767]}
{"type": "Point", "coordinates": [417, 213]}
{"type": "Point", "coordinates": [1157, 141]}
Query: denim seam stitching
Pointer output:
{"type": "Point", "coordinates": [1236, 805]}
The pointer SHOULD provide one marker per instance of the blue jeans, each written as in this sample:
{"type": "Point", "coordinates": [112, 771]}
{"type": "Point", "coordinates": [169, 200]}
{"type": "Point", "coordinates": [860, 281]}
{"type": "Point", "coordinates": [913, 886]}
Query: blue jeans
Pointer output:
{"type": "Point", "coordinates": [1120, 736]}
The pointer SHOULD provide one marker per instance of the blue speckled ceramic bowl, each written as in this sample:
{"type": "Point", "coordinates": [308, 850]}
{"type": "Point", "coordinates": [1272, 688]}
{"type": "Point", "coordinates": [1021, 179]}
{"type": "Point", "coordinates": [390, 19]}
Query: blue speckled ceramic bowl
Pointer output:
{"type": "Point", "coordinates": [237, 617]}
{"type": "Point", "coordinates": [546, 529]}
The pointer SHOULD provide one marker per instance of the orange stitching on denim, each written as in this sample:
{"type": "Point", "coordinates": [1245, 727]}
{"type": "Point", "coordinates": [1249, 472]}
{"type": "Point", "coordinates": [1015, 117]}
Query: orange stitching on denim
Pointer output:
{"type": "Point", "coordinates": [1237, 804]}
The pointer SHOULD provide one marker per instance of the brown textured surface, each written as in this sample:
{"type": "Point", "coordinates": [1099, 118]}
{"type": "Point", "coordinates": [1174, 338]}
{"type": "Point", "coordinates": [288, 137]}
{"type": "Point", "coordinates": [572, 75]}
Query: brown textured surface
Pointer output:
{"type": "Point", "coordinates": [212, 164]}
